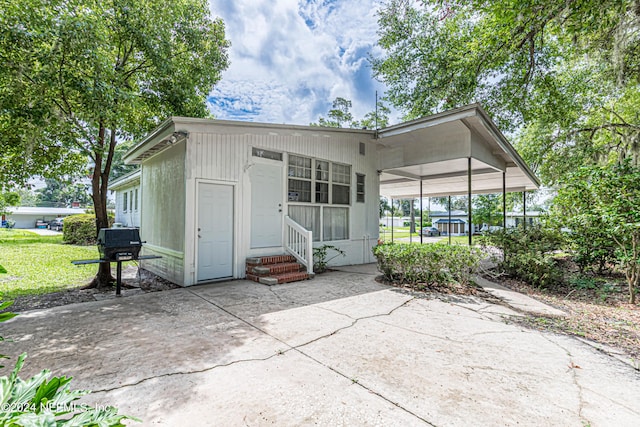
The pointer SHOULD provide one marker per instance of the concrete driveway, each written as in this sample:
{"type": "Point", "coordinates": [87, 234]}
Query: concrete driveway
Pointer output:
{"type": "Point", "coordinates": [337, 350]}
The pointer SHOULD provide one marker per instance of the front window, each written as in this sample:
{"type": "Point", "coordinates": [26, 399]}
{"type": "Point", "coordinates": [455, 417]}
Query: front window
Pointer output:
{"type": "Point", "coordinates": [319, 184]}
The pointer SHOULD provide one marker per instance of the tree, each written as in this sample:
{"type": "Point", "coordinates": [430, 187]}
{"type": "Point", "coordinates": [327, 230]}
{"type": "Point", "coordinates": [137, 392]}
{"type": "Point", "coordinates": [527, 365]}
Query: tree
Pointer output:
{"type": "Point", "coordinates": [63, 193]}
{"type": "Point", "coordinates": [487, 209]}
{"type": "Point", "coordinates": [8, 198]}
{"type": "Point", "coordinates": [79, 76]}
{"type": "Point", "coordinates": [560, 76]}
{"type": "Point", "coordinates": [377, 119]}
{"type": "Point", "coordinates": [118, 168]}
{"type": "Point", "coordinates": [341, 114]}
{"type": "Point", "coordinates": [603, 202]}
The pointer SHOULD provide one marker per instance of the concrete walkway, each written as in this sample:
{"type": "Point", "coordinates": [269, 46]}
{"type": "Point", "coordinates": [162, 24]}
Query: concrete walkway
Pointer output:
{"type": "Point", "coordinates": [341, 349]}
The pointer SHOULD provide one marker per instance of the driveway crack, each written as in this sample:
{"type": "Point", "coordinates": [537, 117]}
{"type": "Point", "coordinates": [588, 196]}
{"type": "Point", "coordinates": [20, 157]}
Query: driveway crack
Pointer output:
{"type": "Point", "coordinates": [280, 352]}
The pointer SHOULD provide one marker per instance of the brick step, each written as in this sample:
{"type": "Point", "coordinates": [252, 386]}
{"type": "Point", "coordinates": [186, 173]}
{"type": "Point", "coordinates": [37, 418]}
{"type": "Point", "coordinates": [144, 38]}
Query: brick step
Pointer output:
{"type": "Point", "coordinates": [274, 259]}
{"type": "Point", "coordinates": [277, 269]}
{"type": "Point", "coordinates": [270, 269]}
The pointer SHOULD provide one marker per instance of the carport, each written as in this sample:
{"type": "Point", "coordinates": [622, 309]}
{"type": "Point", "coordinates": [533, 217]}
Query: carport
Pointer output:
{"type": "Point", "coordinates": [457, 152]}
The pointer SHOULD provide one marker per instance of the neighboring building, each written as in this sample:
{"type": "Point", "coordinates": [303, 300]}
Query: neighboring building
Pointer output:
{"type": "Point", "coordinates": [514, 219]}
{"type": "Point", "coordinates": [36, 217]}
{"type": "Point", "coordinates": [459, 222]}
{"type": "Point", "coordinates": [128, 202]}
{"type": "Point", "coordinates": [213, 193]}
{"type": "Point", "coordinates": [396, 221]}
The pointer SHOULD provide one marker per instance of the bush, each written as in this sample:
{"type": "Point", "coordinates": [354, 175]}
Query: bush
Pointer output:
{"type": "Point", "coordinates": [81, 229]}
{"type": "Point", "coordinates": [320, 260]}
{"type": "Point", "coordinates": [528, 254]}
{"type": "Point", "coordinates": [432, 264]}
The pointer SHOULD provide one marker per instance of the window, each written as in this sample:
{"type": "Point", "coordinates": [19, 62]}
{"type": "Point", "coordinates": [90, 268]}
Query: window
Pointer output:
{"type": "Point", "coordinates": [266, 154]}
{"type": "Point", "coordinates": [130, 200]}
{"type": "Point", "coordinates": [319, 184]}
{"type": "Point", "coordinates": [322, 181]}
{"type": "Point", "coordinates": [135, 205]}
{"type": "Point", "coordinates": [341, 186]}
{"type": "Point", "coordinates": [308, 217]}
{"type": "Point", "coordinates": [299, 179]}
{"type": "Point", "coordinates": [360, 188]}
{"type": "Point", "coordinates": [335, 224]}
{"type": "Point", "coordinates": [124, 201]}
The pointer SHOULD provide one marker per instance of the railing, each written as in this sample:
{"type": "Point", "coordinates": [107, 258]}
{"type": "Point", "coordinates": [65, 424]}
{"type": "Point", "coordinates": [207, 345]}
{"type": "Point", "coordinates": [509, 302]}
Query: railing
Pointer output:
{"type": "Point", "coordinates": [298, 241]}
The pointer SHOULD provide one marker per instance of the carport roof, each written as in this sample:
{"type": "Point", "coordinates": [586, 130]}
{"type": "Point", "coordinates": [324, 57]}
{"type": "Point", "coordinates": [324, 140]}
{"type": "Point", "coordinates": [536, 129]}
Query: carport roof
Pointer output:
{"type": "Point", "coordinates": [438, 149]}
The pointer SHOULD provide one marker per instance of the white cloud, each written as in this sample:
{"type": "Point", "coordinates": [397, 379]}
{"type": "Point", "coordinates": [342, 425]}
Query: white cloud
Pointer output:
{"type": "Point", "coordinates": [290, 59]}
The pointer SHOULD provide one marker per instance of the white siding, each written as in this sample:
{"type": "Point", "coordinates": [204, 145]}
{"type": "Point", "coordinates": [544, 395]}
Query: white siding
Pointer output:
{"type": "Point", "coordinates": [223, 154]}
{"type": "Point", "coordinates": [163, 214]}
{"type": "Point", "coordinates": [128, 216]}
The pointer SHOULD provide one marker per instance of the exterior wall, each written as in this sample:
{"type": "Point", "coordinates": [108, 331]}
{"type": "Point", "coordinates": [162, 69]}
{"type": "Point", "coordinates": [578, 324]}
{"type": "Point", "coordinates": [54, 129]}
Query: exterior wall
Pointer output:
{"type": "Point", "coordinates": [163, 216]}
{"type": "Point", "coordinates": [129, 216]}
{"type": "Point", "coordinates": [223, 154]}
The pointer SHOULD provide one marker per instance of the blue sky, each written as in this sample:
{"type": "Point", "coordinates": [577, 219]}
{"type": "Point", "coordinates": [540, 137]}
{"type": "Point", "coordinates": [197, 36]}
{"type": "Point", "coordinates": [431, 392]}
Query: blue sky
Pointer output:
{"type": "Point", "coordinates": [291, 58]}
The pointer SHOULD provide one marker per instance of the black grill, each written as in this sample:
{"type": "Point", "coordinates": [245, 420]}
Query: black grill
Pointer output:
{"type": "Point", "coordinates": [119, 244]}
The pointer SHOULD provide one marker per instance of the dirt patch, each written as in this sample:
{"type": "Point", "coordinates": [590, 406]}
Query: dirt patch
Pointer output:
{"type": "Point", "coordinates": [132, 278]}
{"type": "Point", "coordinates": [470, 289]}
{"type": "Point", "coordinates": [598, 312]}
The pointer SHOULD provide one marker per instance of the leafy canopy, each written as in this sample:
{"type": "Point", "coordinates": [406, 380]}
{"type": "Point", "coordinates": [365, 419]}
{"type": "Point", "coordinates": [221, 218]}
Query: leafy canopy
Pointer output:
{"type": "Point", "coordinates": [79, 76]}
{"type": "Point", "coordinates": [562, 77]}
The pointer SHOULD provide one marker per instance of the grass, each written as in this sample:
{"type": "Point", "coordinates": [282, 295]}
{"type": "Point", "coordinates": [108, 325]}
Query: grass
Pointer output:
{"type": "Point", "coordinates": [403, 232]}
{"type": "Point", "coordinates": [37, 264]}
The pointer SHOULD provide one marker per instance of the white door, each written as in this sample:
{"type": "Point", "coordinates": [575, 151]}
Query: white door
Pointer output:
{"type": "Point", "coordinates": [266, 205]}
{"type": "Point", "coordinates": [215, 231]}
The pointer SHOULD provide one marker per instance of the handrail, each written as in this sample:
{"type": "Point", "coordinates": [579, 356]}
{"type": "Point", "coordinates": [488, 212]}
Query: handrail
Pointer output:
{"type": "Point", "coordinates": [298, 241]}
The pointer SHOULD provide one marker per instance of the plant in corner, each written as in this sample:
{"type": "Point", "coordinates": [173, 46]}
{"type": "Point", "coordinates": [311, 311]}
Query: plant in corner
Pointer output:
{"type": "Point", "coordinates": [320, 254]}
{"type": "Point", "coordinates": [40, 401]}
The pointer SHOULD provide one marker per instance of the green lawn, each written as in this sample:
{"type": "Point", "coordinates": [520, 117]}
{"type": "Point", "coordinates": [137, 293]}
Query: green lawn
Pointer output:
{"type": "Point", "coordinates": [403, 232]}
{"type": "Point", "coordinates": [37, 264]}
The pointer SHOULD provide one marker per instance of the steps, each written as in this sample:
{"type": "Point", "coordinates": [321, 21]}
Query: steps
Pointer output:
{"type": "Point", "coordinates": [274, 270]}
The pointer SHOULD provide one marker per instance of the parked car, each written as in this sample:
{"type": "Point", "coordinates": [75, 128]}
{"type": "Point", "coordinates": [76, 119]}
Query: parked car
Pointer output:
{"type": "Point", "coordinates": [56, 224]}
{"type": "Point", "coordinates": [430, 231]}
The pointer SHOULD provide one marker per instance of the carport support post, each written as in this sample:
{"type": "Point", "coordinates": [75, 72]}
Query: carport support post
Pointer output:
{"type": "Point", "coordinates": [392, 220]}
{"type": "Point", "coordinates": [449, 224]}
{"type": "Point", "coordinates": [469, 199]}
{"type": "Point", "coordinates": [524, 210]}
{"type": "Point", "coordinates": [421, 211]}
{"type": "Point", "coordinates": [504, 200]}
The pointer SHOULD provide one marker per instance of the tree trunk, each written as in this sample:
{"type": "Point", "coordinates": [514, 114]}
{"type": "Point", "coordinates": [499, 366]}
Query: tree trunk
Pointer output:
{"type": "Point", "coordinates": [99, 187]}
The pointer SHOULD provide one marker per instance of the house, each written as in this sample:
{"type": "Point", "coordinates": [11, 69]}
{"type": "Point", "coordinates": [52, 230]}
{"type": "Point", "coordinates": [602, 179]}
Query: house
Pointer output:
{"type": "Point", "coordinates": [216, 193]}
{"type": "Point", "coordinates": [29, 216]}
{"type": "Point", "coordinates": [458, 219]}
{"type": "Point", "coordinates": [127, 191]}
{"type": "Point", "coordinates": [514, 219]}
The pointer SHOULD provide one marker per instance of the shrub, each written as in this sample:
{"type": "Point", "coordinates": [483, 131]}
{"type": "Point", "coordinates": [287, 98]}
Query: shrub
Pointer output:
{"type": "Point", "coordinates": [320, 260]}
{"type": "Point", "coordinates": [432, 264]}
{"type": "Point", "coordinates": [81, 229]}
{"type": "Point", "coordinates": [528, 254]}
